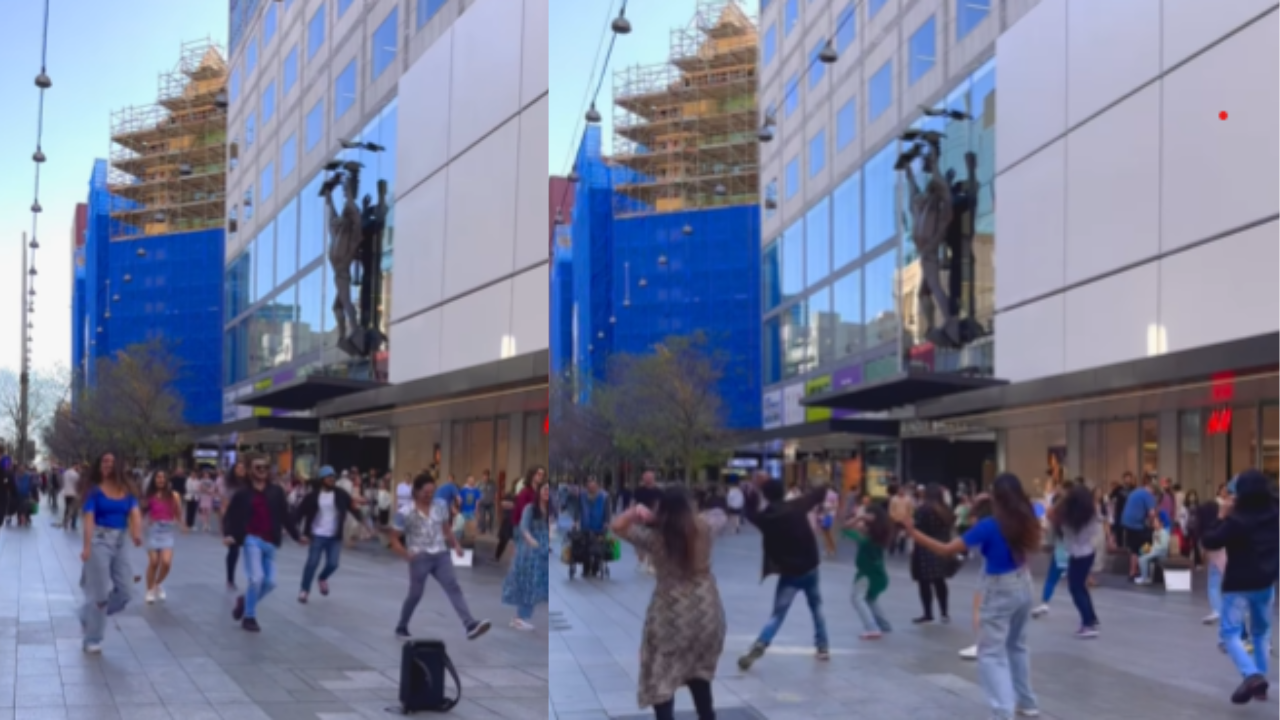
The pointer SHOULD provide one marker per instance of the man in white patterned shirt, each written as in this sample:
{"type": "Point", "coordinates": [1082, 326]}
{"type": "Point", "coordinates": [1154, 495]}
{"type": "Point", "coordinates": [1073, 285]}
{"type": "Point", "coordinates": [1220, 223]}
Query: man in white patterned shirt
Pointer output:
{"type": "Point", "coordinates": [422, 536]}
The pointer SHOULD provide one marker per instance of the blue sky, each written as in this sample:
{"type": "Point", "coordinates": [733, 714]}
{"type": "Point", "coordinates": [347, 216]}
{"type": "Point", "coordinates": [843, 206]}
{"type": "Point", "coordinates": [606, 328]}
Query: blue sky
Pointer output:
{"type": "Point", "coordinates": [103, 55]}
{"type": "Point", "coordinates": [576, 27]}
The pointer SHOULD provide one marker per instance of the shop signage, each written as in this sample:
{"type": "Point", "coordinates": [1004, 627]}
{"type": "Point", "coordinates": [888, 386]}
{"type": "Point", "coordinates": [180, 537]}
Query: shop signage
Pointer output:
{"type": "Point", "coordinates": [817, 386]}
{"type": "Point", "coordinates": [1219, 422]}
{"type": "Point", "coordinates": [744, 463]}
{"type": "Point", "coordinates": [936, 428]}
{"type": "Point", "coordinates": [338, 425]}
{"type": "Point", "coordinates": [792, 410]}
{"type": "Point", "coordinates": [213, 454]}
{"type": "Point", "coordinates": [846, 378]}
{"type": "Point", "coordinates": [771, 404]}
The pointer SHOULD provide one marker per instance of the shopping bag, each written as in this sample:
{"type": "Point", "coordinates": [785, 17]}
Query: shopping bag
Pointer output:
{"type": "Point", "coordinates": [615, 550]}
{"type": "Point", "coordinates": [566, 555]}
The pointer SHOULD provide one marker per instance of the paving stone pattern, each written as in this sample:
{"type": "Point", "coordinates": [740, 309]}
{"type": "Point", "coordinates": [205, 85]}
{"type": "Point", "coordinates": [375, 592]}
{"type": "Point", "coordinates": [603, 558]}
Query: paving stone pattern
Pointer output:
{"type": "Point", "coordinates": [332, 659]}
{"type": "Point", "coordinates": [1154, 659]}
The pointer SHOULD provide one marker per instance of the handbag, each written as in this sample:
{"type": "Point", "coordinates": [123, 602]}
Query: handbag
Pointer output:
{"type": "Point", "coordinates": [424, 665]}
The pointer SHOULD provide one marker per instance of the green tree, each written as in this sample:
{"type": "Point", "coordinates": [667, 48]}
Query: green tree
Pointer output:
{"type": "Point", "coordinates": [132, 408]}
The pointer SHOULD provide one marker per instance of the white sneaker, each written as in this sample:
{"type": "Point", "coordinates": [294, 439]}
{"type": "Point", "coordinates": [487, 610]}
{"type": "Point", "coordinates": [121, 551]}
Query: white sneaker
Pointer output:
{"type": "Point", "coordinates": [1141, 581]}
{"type": "Point", "coordinates": [160, 593]}
{"type": "Point", "coordinates": [1040, 611]}
{"type": "Point", "coordinates": [93, 648]}
{"type": "Point", "coordinates": [522, 626]}
{"type": "Point", "coordinates": [969, 653]}
{"type": "Point", "coordinates": [151, 597]}
{"type": "Point", "coordinates": [1029, 712]}
{"type": "Point", "coordinates": [1211, 618]}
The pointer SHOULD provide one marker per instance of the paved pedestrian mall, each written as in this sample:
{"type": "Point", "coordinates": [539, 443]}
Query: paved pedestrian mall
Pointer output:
{"type": "Point", "coordinates": [333, 659]}
{"type": "Point", "coordinates": [1154, 659]}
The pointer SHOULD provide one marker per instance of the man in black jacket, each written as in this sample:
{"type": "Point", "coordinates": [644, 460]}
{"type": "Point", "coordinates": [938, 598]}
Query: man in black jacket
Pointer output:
{"type": "Point", "coordinates": [1249, 530]}
{"type": "Point", "coordinates": [322, 513]}
{"type": "Point", "coordinates": [256, 519]}
{"type": "Point", "coordinates": [791, 552]}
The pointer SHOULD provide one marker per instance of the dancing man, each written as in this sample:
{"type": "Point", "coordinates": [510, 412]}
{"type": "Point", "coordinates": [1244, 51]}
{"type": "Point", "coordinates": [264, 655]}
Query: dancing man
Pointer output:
{"type": "Point", "coordinates": [255, 519]}
{"type": "Point", "coordinates": [322, 512]}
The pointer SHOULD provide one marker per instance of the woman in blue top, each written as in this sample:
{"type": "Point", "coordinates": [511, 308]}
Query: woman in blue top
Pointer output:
{"type": "Point", "coordinates": [110, 510]}
{"type": "Point", "coordinates": [1005, 539]}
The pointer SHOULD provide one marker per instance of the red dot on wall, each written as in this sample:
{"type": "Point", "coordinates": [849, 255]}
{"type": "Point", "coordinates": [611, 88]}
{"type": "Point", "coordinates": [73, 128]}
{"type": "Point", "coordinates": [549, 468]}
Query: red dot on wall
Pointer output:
{"type": "Point", "coordinates": [1222, 115]}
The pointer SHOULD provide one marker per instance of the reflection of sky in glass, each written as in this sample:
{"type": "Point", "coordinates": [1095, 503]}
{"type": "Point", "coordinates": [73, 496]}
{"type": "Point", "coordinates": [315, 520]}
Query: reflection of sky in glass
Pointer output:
{"type": "Point", "coordinates": [772, 350]}
{"type": "Point", "coordinates": [771, 275]}
{"type": "Point", "coordinates": [818, 242]}
{"type": "Point", "coordinates": [880, 275]}
{"type": "Point", "coordinates": [264, 256]}
{"type": "Point", "coordinates": [846, 226]}
{"type": "Point", "coordinates": [287, 242]}
{"type": "Point", "coordinates": [311, 242]}
{"type": "Point", "coordinates": [847, 307]}
{"type": "Point", "coordinates": [880, 183]}
{"type": "Point", "coordinates": [310, 310]}
{"type": "Point", "coordinates": [793, 260]}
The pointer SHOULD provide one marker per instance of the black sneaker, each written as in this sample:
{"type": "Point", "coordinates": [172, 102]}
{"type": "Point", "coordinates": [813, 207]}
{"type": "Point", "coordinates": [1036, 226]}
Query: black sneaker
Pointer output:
{"type": "Point", "coordinates": [250, 625]}
{"type": "Point", "coordinates": [476, 629]}
{"type": "Point", "coordinates": [237, 613]}
{"type": "Point", "coordinates": [755, 653]}
{"type": "Point", "coordinates": [403, 633]}
{"type": "Point", "coordinates": [922, 620]}
{"type": "Point", "coordinates": [1252, 687]}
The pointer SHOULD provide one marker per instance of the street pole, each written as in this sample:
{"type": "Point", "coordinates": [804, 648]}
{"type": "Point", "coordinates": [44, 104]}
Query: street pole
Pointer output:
{"type": "Point", "coordinates": [25, 376]}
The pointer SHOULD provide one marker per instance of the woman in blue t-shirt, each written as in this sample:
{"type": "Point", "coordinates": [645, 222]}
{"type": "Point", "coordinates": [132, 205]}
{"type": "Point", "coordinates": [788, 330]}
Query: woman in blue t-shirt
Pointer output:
{"type": "Point", "coordinates": [110, 511]}
{"type": "Point", "coordinates": [1006, 540]}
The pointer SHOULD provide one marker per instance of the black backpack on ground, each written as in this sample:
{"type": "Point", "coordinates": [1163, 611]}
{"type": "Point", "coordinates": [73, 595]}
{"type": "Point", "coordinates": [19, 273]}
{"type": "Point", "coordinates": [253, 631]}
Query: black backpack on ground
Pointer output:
{"type": "Point", "coordinates": [423, 666]}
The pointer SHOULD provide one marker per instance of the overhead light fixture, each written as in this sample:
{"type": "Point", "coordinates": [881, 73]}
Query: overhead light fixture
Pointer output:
{"type": "Point", "coordinates": [374, 147]}
{"type": "Point", "coordinates": [185, 169]}
{"type": "Point", "coordinates": [573, 176]}
{"type": "Point", "coordinates": [107, 315]}
{"type": "Point", "coordinates": [593, 115]}
{"type": "Point", "coordinates": [34, 244]}
{"type": "Point", "coordinates": [39, 156]}
{"type": "Point", "coordinates": [770, 204]}
{"type": "Point", "coordinates": [43, 82]}
{"type": "Point", "coordinates": [220, 100]}
{"type": "Point", "coordinates": [350, 144]}
{"type": "Point", "coordinates": [142, 252]}
{"type": "Point", "coordinates": [32, 292]}
{"type": "Point", "coordinates": [621, 25]}
{"type": "Point", "coordinates": [35, 207]}
{"type": "Point", "coordinates": [828, 53]}
{"type": "Point", "coordinates": [765, 133]}
{"type": "Point", "coordinates": [591, 348]}
{"type": "Point", "coordinates": [32, 271]}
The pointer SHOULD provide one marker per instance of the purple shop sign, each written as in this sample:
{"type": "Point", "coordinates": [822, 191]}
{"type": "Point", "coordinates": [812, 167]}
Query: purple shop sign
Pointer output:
{"type": "Point", "coordinates": [842, 379]}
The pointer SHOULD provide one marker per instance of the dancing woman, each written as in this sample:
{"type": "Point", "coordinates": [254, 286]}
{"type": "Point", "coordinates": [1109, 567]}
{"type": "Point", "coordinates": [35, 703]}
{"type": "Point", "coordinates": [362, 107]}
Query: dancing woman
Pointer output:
{"type": "Point", "coordinates": [684, 627]}
{"type": "Point", "coordinates": [1006, 540]}
{"type": "Point", "coordinates": [527, 584]}
{"type": "Point", "coordinates": [227, 488]}
{"type": "Point", "coordinates": [163, 509]}
{"type": "Point", "coordinates": [110, 511]}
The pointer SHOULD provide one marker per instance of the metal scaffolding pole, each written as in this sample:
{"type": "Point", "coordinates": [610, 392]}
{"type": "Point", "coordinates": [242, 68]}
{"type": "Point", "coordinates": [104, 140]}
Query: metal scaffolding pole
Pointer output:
{"type": "Point", "coordinates": [24, 377]}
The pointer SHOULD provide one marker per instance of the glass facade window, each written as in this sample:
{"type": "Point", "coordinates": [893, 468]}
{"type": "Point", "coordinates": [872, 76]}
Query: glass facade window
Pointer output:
{"type": "Point", "coordinates": [771, 193]}
{"type": "Point", "coordinates": [384, 43]}
{"type": "Point", "coordinates": [791, 98]}
{"type": "Point", "coordinates": [249, 129]}
{"type": "Point", "coordinates": [268, 103]}
{"type": "Point", "coordinates": [236, 291]}
{"type": "Point", "coordinates": [793, 177]}
{"type": "Point", "coordinates": [428, 9]}
{"type": "Point", "coordinates": [846, 124]}
{"type": "Point", "coordinates": [924, 50]}
{"type": "Point", "coordinates": [880, 91]}
{"type": "Point", "coordinates": [233, 85]}
{"type": "Point", "coordinates": [270, 342]}
{"type": "Point", "coordinates": [315, 32]}
{"type": "Point", "coordinates": [969, 14]}
{"type": "Point", "coordinates": [311, 222]}
{"type": "Point", "coordinates": [290, 70]}
{"type": "Point", "coordinates": [287, 242]}
{"type": "Point", "coordinates": [846, 221]}
{"type": "Point", "coordinates": [771, 273]}
{"type": "Point", "coordinates": [822, 328]}
{"type": "Point", "coordinates": [315, 124]}
{"type": "Point", "coordinates": [264, 262]}
{"type": "Point", "coordinates": [310, 313]}
{"type": "Point", "coordinates": [875, 6]}
{"type": "Point", "coordinates": [817, 68]}
{"type": "Point", "coordinates": [769, 49]}
{"type": "Point", "coordinates": [772, 360]}
{"type": "Point", "coordinates": [344, 90]}
{"type": "Point", "coordinates": [846, 27]}
{"type": "Point", "coordinates": [268, 180]}
{"type": "Point", "coordinates": [288, 155]}
{"type": "Point", "coordinates": [817, 152]}
{"type": "Point", "coordinates": [251, 56]}
{"type": "Point", "coordinates": [797, 341]}
{"type": "Point", "coordinates": [879, 190]}
{"type": "Point", "coordinates": [235, 355]}
{"type": "Point", "coordinates": [881, 298]}
{"type": "Point", "coordinates": [269, 25]}
{"type": "Point", "coordinates": [248, 203]}
{"type": "Point", "coordinates": [793, 261]}
{"type": "Point", "coordinates": [791, 15]}
{"type": "Point", "coordinates": [817, 232]}
{"type": "Point", "coordinates": [343, 5]}
{"type": "Point", "coordinates": [846, 315]}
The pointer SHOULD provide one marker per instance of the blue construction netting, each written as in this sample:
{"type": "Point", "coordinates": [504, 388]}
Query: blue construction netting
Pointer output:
{"type": "Point", "coordinates": [628, 300]}
{"type": "Point", "coordinates": [166, 287]}
{"type": "Point", "coordinates": [561, 301]}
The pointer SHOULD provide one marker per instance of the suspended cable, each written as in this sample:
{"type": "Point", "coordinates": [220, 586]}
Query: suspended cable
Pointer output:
{"type": "Point", "coordinates": [43, 83]}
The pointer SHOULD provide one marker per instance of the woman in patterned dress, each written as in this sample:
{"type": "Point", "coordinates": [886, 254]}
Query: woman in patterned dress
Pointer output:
{"type": "Point", "coordinates": [684, 627]}
{"type": "Point", "coordinates": [526, 584]}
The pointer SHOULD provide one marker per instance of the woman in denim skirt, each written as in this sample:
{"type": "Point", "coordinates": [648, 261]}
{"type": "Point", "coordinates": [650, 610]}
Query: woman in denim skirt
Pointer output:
{"type": "Point", "coordinates": [1006, 540]}
{"type": "Point", "coordinates": [163, 508]}
{"type": "Point", "coordinates": [110, 511]}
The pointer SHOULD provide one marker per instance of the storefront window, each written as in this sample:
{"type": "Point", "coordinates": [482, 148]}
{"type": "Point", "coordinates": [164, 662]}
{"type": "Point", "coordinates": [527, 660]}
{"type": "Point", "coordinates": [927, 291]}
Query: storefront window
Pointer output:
{"type": "Point", "coordinates": [480, 449]}
{"type": "Point", "coordinates": [502, 449]}
{"type": "Point", "coordinates": [1244, 439]}
{"type": "Point", "coordinates": [1151, 446]}
{"type": "Point", "coordinates": [880, 467]}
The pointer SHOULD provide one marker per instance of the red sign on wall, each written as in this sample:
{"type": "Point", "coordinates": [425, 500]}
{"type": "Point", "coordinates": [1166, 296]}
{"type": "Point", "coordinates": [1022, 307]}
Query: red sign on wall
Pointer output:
{"type": "Point", "coordinates": [1219, 422]}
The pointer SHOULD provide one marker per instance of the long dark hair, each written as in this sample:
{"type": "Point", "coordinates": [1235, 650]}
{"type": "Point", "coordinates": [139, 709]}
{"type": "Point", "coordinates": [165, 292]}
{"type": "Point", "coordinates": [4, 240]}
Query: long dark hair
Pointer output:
{"type": "Point", "coordinates": [1015, 516]}
{"type": "Point", "coordinates": [936, 501]}
{"type": "Point", "coordinates": [879, 526]}
{"type": "Point", "coordinates": [153, 489]}
{"type": "Point", "coordinates": [1075, 510]}
{"type": "Point", "coordinates": [96, 478]}
{"type": "Point", "coordinates": [232, 481]}
{"type": "Point", "coordinates": [678, 526]}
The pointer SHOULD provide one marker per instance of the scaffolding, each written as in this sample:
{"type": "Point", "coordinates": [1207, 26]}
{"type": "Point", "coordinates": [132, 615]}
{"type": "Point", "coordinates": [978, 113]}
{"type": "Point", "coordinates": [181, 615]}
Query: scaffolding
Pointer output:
{"type": "Point", "coordinates": [168, 159]}
{"type": "Point", "coordinates": [686, 128]}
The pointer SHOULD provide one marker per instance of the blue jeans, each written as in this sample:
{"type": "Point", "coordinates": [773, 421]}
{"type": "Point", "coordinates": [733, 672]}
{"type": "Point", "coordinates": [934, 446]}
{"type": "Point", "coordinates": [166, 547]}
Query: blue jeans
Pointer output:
{"type": "Point", "coordinates": [106, 580]}
{"type": "Point", "coordinates": [788, 588]}
{"type": "Point", "coordinates": [1004, 667]}
{"type": "Point", "coordinates": [1078, 581]}
{"type": "Point", "coordinates": [525, 612]}
{"type": "Point", "coordinates": [260, 568]}
{"type": "Point", "coordinates": [331, 548]}
{"type": "Point", "coordinates": [1215, 588]}
{"type": "Point", "coordinates": [1254, 607]}
{"type": "Point", "coordinates": [1051, 581]}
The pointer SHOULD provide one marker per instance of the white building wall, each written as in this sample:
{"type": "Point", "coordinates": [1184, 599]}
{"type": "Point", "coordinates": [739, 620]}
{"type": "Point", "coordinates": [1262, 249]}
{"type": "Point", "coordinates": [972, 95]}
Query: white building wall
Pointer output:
{"type": "Point", "coordinates": [472, 192]}
{"type": "Point", "coordinates": [1132, 220]}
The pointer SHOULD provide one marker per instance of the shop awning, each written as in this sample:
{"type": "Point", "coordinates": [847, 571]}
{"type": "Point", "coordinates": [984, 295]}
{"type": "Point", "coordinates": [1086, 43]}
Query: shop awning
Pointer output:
{"type": "Point", "coordinates": [1221, 366]}
{"type": "Point", "coordinates": [870, 427]}
{"type": "Point", "coordinates": [305, 393]}
{"type": "Point", "coordinates": [906, 388]}
{"type": "Point", "coordinates": [283, 426]}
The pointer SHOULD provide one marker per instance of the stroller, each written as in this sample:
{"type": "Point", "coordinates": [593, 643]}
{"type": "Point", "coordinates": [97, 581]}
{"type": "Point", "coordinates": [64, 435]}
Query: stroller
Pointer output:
{"type": "Point", "coordinates": [592, 550]}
